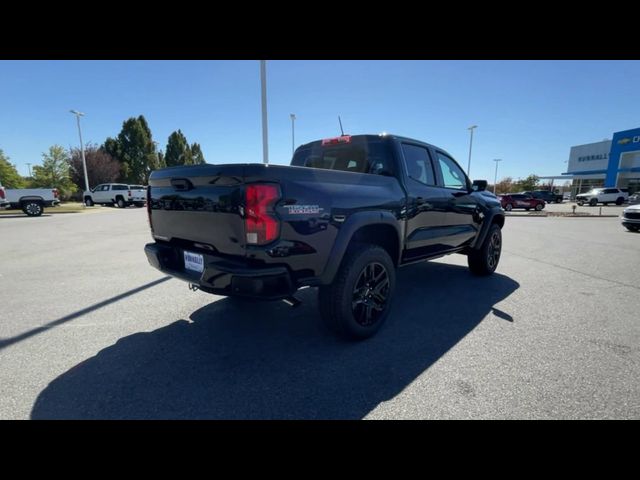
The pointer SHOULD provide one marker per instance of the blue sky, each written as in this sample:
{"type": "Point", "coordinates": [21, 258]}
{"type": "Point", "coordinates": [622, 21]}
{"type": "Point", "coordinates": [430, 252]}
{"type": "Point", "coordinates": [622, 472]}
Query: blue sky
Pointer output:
{"type": "Point", "coordinates": [529, 113]}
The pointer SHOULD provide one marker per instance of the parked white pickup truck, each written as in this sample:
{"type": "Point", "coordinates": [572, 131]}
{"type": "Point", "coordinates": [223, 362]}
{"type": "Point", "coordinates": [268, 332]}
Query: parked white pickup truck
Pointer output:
{"type": "Point", "coordinates": [32, 200]}
{"type": "Point", "coordinates": [603, 195]}
{"type": "Point", "coordinates": [119, 194]}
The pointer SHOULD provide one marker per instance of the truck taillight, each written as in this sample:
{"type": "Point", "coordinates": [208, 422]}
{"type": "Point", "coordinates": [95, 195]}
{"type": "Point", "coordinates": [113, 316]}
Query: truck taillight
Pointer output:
{"type": "Point", "coordinates": [129, 192]}
{"type": "Point", "coordinates": [55, 193]}
{"type": "Point", "coordinates": [261, 224]}
{"type": "Point", "coordinates": [2, 193]}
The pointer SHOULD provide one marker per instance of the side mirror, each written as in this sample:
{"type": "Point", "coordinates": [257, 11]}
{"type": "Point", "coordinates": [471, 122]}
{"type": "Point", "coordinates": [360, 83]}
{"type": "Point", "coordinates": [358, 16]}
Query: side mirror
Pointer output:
{"type": "Point", "coordinates": [479, 185]}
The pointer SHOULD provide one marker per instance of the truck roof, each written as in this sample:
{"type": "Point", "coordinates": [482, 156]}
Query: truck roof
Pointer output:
{"type": "Point", "coordinates": [381, 136]}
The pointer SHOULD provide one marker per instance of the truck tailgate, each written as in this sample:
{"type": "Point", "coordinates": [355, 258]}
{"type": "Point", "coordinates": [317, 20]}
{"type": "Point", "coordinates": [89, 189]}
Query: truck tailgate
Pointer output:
{"type": "Point", "coordinates": [199, 206]}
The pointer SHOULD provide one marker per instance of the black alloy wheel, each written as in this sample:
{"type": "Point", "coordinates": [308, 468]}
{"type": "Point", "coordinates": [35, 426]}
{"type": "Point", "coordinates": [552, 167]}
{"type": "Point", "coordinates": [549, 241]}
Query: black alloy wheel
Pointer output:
{"type": "Point", "coordinates": [370, 294]}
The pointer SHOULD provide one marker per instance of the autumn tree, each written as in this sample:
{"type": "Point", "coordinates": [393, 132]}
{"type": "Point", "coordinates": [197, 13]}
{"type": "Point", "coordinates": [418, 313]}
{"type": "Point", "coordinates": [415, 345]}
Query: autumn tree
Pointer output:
{"type": "Point", "coordinates": [101, 166]}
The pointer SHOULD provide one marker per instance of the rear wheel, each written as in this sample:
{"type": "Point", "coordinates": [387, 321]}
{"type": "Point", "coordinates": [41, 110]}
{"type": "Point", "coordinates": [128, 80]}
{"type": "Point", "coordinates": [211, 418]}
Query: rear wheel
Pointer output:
{"type": "Point", "coordinates": [358, 301]}
{"type": "Point", "coordinates": [508, 207]}
{"type": "Point", "coordinates": [32, 208]}
{"type": "Point", "coordinates": [120, 202]}
{"type": "Point", "coordinates": [483, 261]}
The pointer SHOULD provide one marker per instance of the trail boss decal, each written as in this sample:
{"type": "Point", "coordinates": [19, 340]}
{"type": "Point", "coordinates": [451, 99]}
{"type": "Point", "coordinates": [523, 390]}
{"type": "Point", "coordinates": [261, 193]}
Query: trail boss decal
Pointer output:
{"type": "Point", "coordinates": [303, 209]}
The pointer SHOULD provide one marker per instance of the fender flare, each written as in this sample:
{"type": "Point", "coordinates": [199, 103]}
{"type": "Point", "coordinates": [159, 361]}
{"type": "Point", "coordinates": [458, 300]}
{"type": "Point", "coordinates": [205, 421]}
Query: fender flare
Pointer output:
{"type": "Point", "coordinates": [489, 218]}
{"type": "Point", "coordinates": [31, 198]}
{"type": "Point", "coordinates": [346, 232]}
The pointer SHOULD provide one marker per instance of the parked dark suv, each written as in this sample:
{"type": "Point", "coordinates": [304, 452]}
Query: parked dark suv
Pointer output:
{"type": "Point", "coordinates": [509, 201]}
{"type": "Point", "coordinates": [546, 195]}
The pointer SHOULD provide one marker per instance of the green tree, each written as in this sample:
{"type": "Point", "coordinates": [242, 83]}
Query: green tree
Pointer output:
{"type": "Point", "coordinates": [197, 155]}
{"type": "Point", "coordinates": [54, 172]}
{"type": "Point", "coordinates": [529, 183]}
{"type": "Point", "coordinates": [9, 176]}
{"type": "Point", "coordinates": [178, 151]}
{"type": "Point", "coordinates": [134, 149]}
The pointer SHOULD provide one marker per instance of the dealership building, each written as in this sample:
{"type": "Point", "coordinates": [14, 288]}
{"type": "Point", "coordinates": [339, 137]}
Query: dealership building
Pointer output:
{"type": "Point", "coordinates": [610, 163]}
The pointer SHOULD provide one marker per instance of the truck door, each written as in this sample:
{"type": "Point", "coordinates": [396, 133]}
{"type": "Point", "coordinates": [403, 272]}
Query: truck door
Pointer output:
{"type": "Point", "coordinates": [459, 225]}
{"type": "Point", "coordinates": [425, 204]}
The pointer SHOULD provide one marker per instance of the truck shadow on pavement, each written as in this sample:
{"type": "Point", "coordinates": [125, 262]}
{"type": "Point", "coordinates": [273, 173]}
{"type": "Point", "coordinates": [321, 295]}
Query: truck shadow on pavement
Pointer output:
{"type": "Point", "coordinates": [236, 360]}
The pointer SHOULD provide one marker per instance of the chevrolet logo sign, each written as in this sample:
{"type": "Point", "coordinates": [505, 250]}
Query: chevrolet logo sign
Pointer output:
{"type": "Point", "coordinates": [624, 141]}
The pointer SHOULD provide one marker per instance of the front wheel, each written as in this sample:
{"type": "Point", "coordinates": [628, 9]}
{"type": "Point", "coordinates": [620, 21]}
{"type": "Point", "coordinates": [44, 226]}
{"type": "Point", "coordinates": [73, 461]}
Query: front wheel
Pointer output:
{"type": "Point", "coordinates": [483, 261]}
{"type": "Point", "coordinates": [539, 207]}
{"type": "Point", "coordinates": [633, 228]}
{"type": "Point", "coordinates": [32, 208]}
{"type": "Point", "coordinates": [88, 202]}
{"type": "Point", "coordinates": [580, 204]}
{"type": "Point", "coordinates": [508, 207]}
{"type": "Point", "coordinates": [593, 202]}
{"type": "Point", "coordinates": [358, 301]}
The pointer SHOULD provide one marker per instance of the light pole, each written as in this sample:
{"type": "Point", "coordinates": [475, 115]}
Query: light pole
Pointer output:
{"type": "Point", "coordinates": [293, 134]}
{"type": "Point", "coordinates": [471, 129]}
{"type": "Point", "coordinates": [265, 133]}
{"type": "Point", "coordinates": [84, 162]}
{"type": "Point", "coordinates": [495, 179]}
{"type": "Point", "coordinates": [29, 165]}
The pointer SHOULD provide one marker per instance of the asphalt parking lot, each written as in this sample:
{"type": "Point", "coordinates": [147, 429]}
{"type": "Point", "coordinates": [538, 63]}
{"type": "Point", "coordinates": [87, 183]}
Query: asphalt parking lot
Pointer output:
{"type": "Point", "coordinates": [89, 330]}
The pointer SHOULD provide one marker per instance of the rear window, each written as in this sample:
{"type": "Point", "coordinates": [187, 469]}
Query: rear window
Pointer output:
{"type": "Point", "coordinates": [360, 156]}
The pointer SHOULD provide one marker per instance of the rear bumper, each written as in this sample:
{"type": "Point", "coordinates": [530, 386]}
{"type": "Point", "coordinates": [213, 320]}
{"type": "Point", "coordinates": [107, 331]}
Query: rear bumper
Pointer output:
{"type": "Point", "coordinates": [222, 276]}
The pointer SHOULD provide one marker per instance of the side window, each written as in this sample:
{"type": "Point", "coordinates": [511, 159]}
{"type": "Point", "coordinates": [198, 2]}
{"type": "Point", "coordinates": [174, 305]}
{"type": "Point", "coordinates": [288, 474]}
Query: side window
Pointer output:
{"type": "Point", "coordinates": [105, 188]}
{"type": "Point", "coordinates": [418, 163]}
{"type": "Point", "coordinates": [452, 174]}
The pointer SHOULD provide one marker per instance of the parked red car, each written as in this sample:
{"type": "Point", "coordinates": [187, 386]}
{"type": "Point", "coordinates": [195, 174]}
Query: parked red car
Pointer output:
{"type": "Point", "coordinates": [510, 201]}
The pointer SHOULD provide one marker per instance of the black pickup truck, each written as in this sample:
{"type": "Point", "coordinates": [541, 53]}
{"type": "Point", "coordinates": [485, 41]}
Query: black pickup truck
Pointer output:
{"type": "Point", "coordinates": [342, 217]}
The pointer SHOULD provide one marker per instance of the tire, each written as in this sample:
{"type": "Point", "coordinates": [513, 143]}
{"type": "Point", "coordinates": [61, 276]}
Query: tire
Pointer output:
{"type": "Point", "coordinates": [632, 228]}
{"type": "Point", "coordinates": [139, 205]}
{"type": "Point", "coordinates": [32, 208]}
{"type": "Point", "coordinates": [88, 201]}
{"type": "Point", "coordinates": [527, 209]}
{"type": "Point", "coordinates": [580, 204]}
{"type": "Point", "coordinates": [484, 261]}
{"type": "Point", "coordinates": [348, 306]}
{"type": "Point", "coordinates": [539, 207]}
{"type": "Point", "coordinates": [619, 201]}
{"type": "Point", "coordinates": [121, 203]}
{"type": "Point", "coordinates": [593, 202]}
{"type": "Point", "coordinates": [605, 203]}
{"type": "Point", "coordinates": [508, 207]}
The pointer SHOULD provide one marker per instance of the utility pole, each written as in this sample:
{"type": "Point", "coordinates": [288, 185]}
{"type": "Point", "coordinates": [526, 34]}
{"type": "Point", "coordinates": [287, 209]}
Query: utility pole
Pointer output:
{"type": "Point", "coordinates": [29, 165]}
{"type": "Point", "coordinates": [495, 179]}
{"type": "Point", "coordinates": [471, 129]}
{"type": "Point", "coordinates": [84, 162]}
{"type": "Point", "coordinates": [293, 134]}
{"type": "Point", "coordinates": [265, 133]}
